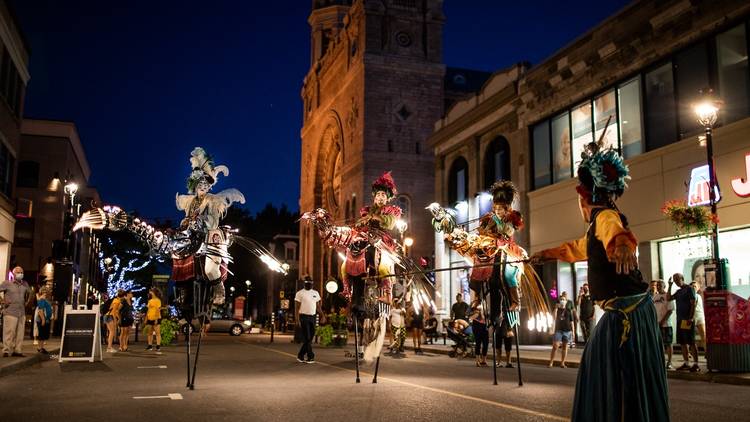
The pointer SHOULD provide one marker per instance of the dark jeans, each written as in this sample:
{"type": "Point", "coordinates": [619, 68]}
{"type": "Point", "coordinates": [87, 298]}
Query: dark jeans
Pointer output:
{"type": "Point", "coordinates": [481, 338]}
{"type": "Point", "coordinates": [586, 326]}
{"type": "Point", "coordinates": [307, 332]}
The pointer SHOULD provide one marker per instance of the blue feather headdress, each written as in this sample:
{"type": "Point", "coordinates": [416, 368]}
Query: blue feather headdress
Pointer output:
{"type": "Point", "coordinates": [602, 173]}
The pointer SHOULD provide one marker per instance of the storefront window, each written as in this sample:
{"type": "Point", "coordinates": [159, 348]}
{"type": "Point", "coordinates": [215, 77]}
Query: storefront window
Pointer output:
{"type": "Point", "coordinates": [686, 256]}
{"type": "Point", "coordinates": [542, 175]}
{"type": "Point", "coordinates": [581, 120]}
{"type": "Point", "coordinates": [565, 280]}
{"type": "Point", "coordinates": [661, 120]}
{"type": "Point", "coordinates": [629, 97]}
{"type": "Point", "coordinates": [731, 51]}
{"type": "Point", "coordinates": [691, 69]}
{"type": "Point", "coordinates": [561, 147]}
{"type": "Point", "coordinates": [605, 108]}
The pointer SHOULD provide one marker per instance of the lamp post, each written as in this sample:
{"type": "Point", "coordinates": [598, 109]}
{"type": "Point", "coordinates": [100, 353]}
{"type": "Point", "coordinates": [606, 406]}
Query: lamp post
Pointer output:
{"type": "Point", "coordinates": [706, 112]}
{"type": "Point", "coordinates": [247, 298]}
{"type": "Point", "coordinates": [70, 189]}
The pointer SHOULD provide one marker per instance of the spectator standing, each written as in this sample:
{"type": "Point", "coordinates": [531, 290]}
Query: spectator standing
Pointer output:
{"type": "Point", "coordinates": [153, 320]}
{"type": "Point", "coordinates": [398, 326]}
{"type": "Point", "coordinates": [563, 330]}
{"type": "Point", "coordinates": [44, 319]}
{"type": "Point", "coordinates": [16, 292]}
{"type": "Point", "coordinates": [685, 301]}
{"type": "Point", "coordinates": [586, 311]}
{"type": "Point", "coordinates": [126, 320]}
{"type": "Point", "coordinates": [112, 318]}
{"type": "Point", "coordinates": [699, 317]}
{"type": "Point", "coordinates": [430, 328]}
{"type": "Point", "coordinates": [481, 333]}
{"type": "Point", "coordinates": [505, 338]}
{"type": "Point", "coordinates": [460, 309]}
{"type": "Point", "coordinates": [308, 305]}
{"type": "Point", "coordinates": [416, 324]}
{"type": "Point", "coordinates": [664, 310]}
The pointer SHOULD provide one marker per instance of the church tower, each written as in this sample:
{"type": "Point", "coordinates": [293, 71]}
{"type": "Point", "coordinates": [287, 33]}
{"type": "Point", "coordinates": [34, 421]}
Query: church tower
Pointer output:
{"type": "Point", "coordinates": [371, 97]}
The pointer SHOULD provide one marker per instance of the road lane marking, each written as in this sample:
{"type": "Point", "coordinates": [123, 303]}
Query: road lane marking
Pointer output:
{"type": "Point", "coordinates": [170, 396]}
{"type": "Point", "coordinates": [153, 367]}
{"type": "Point", "coordinates": [436, 390]}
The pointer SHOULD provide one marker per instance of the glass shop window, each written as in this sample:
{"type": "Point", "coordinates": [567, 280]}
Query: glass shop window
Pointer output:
{"type": "Point", "coordinates": [605, 108]}
{"type": "Point", "coordinates": [542, 175]}
{"type": "Point", "coordinates": [691, 70]}
{"type": "Point", "coordinates": [629, 122]}
{"type": "Point", "coordinates": [661, 119]}
{"type": "Point", "coordinates": [731, 52]}
{"type": "Point", "coordinates": [561, 147]}
{"type": "Point", "coordinates": [582, 134]}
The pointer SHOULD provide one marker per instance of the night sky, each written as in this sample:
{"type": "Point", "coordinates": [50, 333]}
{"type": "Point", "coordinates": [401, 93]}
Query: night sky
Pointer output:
{"type": "Point", "coordinates": [145, 81]}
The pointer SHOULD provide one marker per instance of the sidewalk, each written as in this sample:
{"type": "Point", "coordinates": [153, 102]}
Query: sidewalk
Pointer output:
{"type": "Point", "coordinates": [12, 364]}
{"type": "Point", "coordinates": [539, 355]}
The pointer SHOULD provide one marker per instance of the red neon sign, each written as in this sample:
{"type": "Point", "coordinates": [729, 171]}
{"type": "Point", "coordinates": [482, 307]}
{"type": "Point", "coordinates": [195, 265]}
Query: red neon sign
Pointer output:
{"type": "Point", "coordinates": [742, 186]}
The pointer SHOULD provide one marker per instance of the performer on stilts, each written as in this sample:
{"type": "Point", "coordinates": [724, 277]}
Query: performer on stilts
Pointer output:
{"type": "Point", "coordinates": [199, 249]}
{"type": "Point", "coordinates": [372, 255]}
{"type": "Point", "coordinates": [622, 375]}
{"type": "Point", "coordinates": [499, 273]}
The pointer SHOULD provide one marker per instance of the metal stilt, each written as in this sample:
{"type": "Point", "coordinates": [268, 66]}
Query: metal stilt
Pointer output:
{"type": "Point", "coordinates": [377, 365]}
{"type": "Point", "coordinates": [518, 356]}
{"type": "Point", "coordinates": [356, 345]}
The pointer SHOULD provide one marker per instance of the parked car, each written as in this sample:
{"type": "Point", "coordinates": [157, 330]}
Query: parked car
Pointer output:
{"type": "Point", "coordinates": [220, 322]}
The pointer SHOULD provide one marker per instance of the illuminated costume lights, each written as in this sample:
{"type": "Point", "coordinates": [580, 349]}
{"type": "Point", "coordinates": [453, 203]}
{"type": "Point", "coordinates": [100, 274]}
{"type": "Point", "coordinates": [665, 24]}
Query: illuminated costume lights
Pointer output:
{"type": "Point", "coordinates": [372, 257]}
{"type": "Point", "coordinates": [199, 250]}
{"type": "Point", "coordinates": [622, 374]}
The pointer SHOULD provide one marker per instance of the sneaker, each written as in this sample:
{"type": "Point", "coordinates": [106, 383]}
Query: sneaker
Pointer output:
{"type": "Point", "coordinates": [149, 347]}
{"type": "Point", "coordinates": [685, 367]}
{"type": "Point", "coordinates": [110, 350]}
{"type": "Point", "coordinates": [669, 366]}
{"type": "Point", "coordinates": [509, 365]}
{"type": "Point", "coordinates": [310, 361]}
{"type": "Point", "coordinates": [158, 350]}
{"type": "Point", "coordinates": [695, 368]}
{"type": "Point", "coordinates": [300, 360]}
{"type": "Point", "coordinates": [36, 342]}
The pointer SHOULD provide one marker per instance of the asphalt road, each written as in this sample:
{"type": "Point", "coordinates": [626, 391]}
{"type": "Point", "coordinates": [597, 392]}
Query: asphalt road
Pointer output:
{"type": "Point", "coordinates": [246, 378]}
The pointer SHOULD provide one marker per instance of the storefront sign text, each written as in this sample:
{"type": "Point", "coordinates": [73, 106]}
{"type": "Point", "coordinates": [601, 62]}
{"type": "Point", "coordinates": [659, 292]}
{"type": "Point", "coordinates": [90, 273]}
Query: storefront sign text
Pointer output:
{"type": "Point", "coordinates": [742, 186]}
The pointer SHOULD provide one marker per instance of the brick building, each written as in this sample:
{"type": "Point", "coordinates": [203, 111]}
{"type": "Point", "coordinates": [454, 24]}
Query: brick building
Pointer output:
{"type": "Point", "coordinates": [644, 67]}
{"type": "Point", "coordinates": [375, 88]}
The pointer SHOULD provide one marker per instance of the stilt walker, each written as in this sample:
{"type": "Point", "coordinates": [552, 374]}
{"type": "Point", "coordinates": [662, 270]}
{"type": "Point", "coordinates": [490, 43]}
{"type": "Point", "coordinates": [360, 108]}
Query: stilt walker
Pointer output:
{"type": "Point", "coordinates": [199, 249]}
{"type": "Point", "coordinates": [499, 263]}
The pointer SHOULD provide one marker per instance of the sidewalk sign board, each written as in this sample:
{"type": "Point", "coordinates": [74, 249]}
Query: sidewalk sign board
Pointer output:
{"type": "Point", "coordinates": [81, 335]}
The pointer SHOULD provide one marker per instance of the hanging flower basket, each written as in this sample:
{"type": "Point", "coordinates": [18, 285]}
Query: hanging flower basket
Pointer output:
{"type": "Point", "coordinates": [687, 219]}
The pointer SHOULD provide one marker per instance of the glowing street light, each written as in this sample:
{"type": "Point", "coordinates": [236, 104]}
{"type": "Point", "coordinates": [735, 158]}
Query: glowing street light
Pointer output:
{"type": "Point", "coordinates": [332, 286]}
{"type": "Point", "coordinates": [408, 242]}
{"type": "Point", "coordinates": [707, 113]}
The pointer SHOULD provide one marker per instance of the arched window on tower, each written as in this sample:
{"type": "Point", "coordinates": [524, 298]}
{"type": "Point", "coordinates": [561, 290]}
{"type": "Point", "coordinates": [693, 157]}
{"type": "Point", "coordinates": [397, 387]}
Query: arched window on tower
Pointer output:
{"type": "Point", "coordinates": [496, 161]}
{"type": "Point", "coordinates": [458, 181]}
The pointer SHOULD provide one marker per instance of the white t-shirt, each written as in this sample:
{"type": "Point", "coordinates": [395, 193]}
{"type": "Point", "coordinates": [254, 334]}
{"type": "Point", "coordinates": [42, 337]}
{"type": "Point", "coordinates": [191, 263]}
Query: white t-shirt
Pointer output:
{"type": "Point", "coordinates": [397, 317]}
{"type": "Point", "coordinates": [308, 300]}
{"type": "Point", "coordinates": [662, 307]}
{"type": "Point", "coordinates": [699, 316]}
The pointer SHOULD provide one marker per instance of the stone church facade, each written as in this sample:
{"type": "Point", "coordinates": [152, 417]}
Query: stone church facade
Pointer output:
{"type": "Point", "coordinates": [375, 88]}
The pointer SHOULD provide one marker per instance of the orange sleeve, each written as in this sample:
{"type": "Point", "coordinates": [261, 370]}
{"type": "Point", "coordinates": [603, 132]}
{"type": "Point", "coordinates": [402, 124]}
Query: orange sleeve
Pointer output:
{"type": "Point", "coordinates": [569, 251]}
{"type": "Point", "coordinates": [612, 233]}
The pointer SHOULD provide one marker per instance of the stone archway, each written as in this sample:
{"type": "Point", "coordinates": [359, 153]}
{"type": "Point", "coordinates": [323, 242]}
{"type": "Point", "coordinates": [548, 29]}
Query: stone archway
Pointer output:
{"type": "Point", "coordinates": [329, 167]}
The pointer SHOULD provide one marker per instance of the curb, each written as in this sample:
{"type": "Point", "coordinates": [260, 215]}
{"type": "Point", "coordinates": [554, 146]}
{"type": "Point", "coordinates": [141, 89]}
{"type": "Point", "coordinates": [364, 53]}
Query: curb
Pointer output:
{"type": "Point", "coordinates": [713, 377]}
{"type": "Point", "coordinates": [29, 360]}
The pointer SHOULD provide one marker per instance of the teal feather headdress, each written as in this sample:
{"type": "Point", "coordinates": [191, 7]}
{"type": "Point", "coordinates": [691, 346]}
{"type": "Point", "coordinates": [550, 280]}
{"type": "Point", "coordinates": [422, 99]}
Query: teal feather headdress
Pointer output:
{"type": "Point", "coordinates": [603, 173]}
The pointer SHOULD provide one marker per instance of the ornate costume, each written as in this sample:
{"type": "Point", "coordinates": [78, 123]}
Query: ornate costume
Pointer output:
{"type": "Point", "coordinates": [200, 249]}
{"type": "Point", "coordinates": [622, 374]}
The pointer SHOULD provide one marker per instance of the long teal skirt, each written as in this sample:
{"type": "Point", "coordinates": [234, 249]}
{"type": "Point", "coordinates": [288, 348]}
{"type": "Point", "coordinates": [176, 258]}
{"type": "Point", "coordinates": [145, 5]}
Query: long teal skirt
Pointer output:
{"type": "Point", "coordinates": [623, 379]}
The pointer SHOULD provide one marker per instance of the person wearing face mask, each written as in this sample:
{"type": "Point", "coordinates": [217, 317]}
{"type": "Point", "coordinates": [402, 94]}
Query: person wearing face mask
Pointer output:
{"type": "Point", "coordinates": [586, 311]}
{"type": "Point", "coordinates": [563, 330]}
{"type": "Point", "coordinates": [307, 303]}
{"type": "Point", "coordinates": [16, 292]}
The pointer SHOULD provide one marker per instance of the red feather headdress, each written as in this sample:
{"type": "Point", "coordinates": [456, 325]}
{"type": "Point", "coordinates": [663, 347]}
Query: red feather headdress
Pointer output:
{"type": "Point", "coordinates": [385, 183]}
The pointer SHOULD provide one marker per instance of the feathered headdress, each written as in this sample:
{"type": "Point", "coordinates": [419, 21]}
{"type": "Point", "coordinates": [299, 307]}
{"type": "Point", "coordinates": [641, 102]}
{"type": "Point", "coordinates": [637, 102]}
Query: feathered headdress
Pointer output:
{"type": "Point", "coordinates": [203, 169]}
{"type": "Point", "coordinates": [602, 174]}
{"type": "Point", "coordinates": [385, 183]}
{"type": "Point", "coordinates": [503, 192]}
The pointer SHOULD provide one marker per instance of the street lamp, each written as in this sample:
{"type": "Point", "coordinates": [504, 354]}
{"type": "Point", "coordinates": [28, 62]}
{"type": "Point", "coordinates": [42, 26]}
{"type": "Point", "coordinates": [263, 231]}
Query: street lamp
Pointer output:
{"type": "Point", "coordinates": [408, 242]}
{"type": "Point", "coordinates": [707, 113]}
